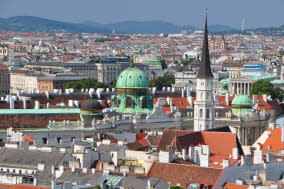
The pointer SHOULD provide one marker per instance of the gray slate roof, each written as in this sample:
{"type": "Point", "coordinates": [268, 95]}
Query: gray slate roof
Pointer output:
{"type": "Point", "coordinates": [109, 147]}
{"type": "Point", "coordinates": [140, 182]}
{"type": "Point", "coordinates": [23, 158]}
{"type": "Point", "coordinates": [77, 176]}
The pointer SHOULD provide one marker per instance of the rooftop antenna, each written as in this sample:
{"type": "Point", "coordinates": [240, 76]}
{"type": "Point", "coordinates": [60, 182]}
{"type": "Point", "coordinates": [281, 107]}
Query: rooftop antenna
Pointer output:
{"type": "Point", "coordinates": [243, 25]}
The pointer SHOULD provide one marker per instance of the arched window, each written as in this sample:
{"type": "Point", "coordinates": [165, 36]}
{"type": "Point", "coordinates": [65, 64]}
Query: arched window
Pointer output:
{"type": "Point", "coordinates": [144, 102]}
{"type": "Point", "coordinates": [207, 114]}
{"type": "Point", "coordinates": [129, 102]}
{"type": "Point", "coordinates": [201, 113]}
{"type": "Point", "coordinates": [115, 102]}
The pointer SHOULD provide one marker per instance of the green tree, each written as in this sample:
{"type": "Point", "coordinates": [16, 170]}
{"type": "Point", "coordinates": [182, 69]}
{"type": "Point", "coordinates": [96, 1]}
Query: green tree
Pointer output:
{"type": "Point", "coordinates": [112, 84]}
{"type": "Point", "coordinates": [265, 87]}
{"type": "Point", "coordinates": [185, 62]}
{"type": "Point", "coordinates": [164, 64]}
{"type": "Point", "coordinates": [162, 81]}
{"type": "Point", "coordinates": [86, 83]}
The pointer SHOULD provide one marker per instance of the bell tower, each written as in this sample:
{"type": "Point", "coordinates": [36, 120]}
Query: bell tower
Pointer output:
{"type": "Point", "coordinates": [204, 112]}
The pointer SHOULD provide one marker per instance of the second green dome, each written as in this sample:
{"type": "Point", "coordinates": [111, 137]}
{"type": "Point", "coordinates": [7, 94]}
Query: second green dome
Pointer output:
{"type": "Point", "coordinates": [242, 100]}
{"type": "Point", "coordinates": [132, 77]}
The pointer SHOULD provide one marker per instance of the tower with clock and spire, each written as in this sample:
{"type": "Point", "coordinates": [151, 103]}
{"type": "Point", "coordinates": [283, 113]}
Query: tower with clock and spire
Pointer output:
{"type": "Point", "coordinates": [204, 112]}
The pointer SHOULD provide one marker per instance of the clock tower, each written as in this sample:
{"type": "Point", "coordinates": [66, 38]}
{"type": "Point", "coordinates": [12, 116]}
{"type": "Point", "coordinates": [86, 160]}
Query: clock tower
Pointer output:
{"type": "Point", "coordinates": [204, 112]}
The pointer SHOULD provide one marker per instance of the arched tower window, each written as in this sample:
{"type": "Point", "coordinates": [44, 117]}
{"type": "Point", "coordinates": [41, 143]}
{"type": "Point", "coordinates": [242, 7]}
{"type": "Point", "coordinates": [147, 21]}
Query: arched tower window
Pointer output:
{"type": "Point", "coordinates": [200, 113]}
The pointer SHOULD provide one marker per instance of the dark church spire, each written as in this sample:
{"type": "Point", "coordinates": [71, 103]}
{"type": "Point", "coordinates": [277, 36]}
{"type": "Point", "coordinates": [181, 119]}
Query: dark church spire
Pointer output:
{"type": "Point", "coordinates": [205, 69]}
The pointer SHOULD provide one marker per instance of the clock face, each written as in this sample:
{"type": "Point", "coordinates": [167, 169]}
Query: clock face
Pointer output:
{"type": "Point", "coordinates": [129, 102]}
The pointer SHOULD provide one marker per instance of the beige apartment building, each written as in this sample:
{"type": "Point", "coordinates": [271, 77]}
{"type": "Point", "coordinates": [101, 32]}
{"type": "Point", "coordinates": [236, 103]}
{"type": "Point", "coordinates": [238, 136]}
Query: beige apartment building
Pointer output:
{"type": "Point", "coordinates": [27, 81]}
{"type": "Point", "coordinates": [102, 72]}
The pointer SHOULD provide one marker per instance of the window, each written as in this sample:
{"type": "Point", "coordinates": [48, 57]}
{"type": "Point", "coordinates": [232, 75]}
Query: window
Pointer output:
{"type": "Point", "coordinates": [200, 113]}
{"type": "Point", "coordinates": [129, 102]}
{"type": "Point", "coordinates": [207, 114]}
{"type": "Point", "coordinates": [144, 102]}
{"type": "Point", "coordinates": [44, 140]}
{"type": "Point", "coordinates": [59, 140]}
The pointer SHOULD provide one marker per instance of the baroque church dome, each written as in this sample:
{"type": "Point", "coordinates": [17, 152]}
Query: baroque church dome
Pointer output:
{"type": "Point", "coordinates": [91, 105]}
{"type": "Point", "coordinates": [132, 77]}
{"type": "Point", "coordinates": [241, 100]}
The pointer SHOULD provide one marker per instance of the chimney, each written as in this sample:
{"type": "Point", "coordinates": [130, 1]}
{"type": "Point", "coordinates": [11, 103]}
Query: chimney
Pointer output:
{"type": "Point", "coordinates": [35, 181]}
{"type": "Point", "coordinates": [12, 103]}
{"type": "Point", "coordinates": [149, 184]}
{"type": "Point", "coordinates": [154, 89]}
{"type": "Point", "coordinates": [93, 170]}
{"type": "Point", "coordinates": [47, 94]}
{"type": "Point", "coordinates": [204, 160]}
{"type": "Point", "coordinates": [254, 99]}
{"type": "Point", "coordinates": [183, 154]}
{"type": "Point", "coordinates": [53, 170]}
{"type": "Point", "coordinates": [235, 153]}
{"type": "Point", "coordinates": [191, 153]}
{"type": "Point", "coordinates": [257, 157]}
{"type": "Point", "coordinates": [242, 161]}
{"type": "Point", "coordinates": [189, 100]}
{"type": "Point", "coordinates": [37, 105]}
{"type": "Point", "coordinates": [169, 89]}
{"type": "Point", "coordinates": [24, 102]}
{"type": "Point", "coordinates": [166, 157]}
{"type": "Point", "coordinates": [264, 96]}
{"type": "Point", "coordinates": [227, 99]}
{"type": "Point", "coordinates": [226, 163]}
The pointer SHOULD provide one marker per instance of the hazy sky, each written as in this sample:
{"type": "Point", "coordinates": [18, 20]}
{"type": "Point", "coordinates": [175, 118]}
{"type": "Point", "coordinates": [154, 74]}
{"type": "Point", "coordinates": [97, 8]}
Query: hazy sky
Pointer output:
{"type": "Point", "coordinates": [257, 13]}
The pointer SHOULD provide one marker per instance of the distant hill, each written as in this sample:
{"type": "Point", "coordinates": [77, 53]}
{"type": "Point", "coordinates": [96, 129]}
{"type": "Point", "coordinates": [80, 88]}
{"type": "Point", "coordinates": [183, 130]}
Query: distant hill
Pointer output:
{"type": "Point", "coordinates": [143, 27]}
{"type": "Point", "coordinates": [218, 28]}
{"type": "Point", "coordinates": [36, 24]}
{"type": "Point", "coordinates": [156, 27]}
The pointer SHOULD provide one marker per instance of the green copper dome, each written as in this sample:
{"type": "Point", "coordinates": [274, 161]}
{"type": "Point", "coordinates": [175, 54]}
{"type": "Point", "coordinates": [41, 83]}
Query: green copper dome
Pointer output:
{"type": "Point", "coordinates": [132, 77]}
{"type": "Point", "coordinates": [241, 105]}
{"type": "Point", "coordinates": [241, 100]}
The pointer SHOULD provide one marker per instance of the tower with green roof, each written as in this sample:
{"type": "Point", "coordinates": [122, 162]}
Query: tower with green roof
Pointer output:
{"type": "Point", "coordinates": [132, 92]}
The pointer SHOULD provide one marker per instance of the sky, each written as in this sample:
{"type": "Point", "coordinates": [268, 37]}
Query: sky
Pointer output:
{"type": "Point", "coordinates": [256, 13]}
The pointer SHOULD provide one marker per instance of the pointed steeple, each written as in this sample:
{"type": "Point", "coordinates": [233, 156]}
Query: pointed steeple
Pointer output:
{"type": "Point", "coordinates": [205, 69]}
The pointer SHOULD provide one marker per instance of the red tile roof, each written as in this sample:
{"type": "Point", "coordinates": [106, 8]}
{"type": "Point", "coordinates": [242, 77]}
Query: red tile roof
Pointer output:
{"type": "Point", "coordinates": [184, 174]}
{"type": "Point", "coordinates": [182, 139]}
{"type": "Point", "coordinates": [234, 186]}
{"type": "Point", "coordinates": [28, 139]}
{"type": "Point", "coordinates": [273, 143]}
{"type": "Point", "coordinates": [20, 186]}
{"type": "Point", "coordinates": [4, 68]}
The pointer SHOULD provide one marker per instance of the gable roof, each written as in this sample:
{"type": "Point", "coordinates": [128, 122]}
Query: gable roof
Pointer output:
{"type": "Point", "coordinates": [274, 143]}
{"type": "Point", "coordinates": [184, 174]}
{"type": "Point", "coordinates": [183, 139]}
